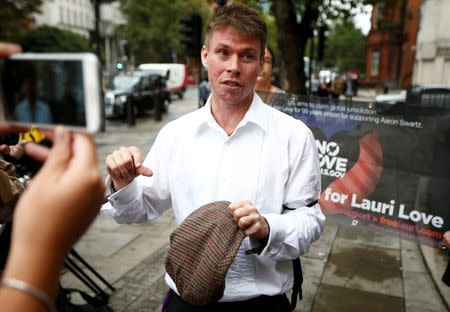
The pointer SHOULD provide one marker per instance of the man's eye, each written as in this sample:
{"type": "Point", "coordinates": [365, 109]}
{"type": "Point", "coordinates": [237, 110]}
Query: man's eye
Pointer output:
{"type": "Point", "coordinates": [248, 56]}
{"type": "Point", "coordinates": [222, 52]}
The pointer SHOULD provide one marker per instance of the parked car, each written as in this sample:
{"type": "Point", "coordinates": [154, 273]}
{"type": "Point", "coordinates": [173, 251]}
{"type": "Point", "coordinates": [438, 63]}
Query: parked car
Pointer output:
{"type": "Point", "coordinates": [387, 102]}
{"type": "Point", "coordinates": [175, 74]}
{"type": "Point", "coordinates": [136, 93]}
{"type": "Point", "coordinates": [431, 98]}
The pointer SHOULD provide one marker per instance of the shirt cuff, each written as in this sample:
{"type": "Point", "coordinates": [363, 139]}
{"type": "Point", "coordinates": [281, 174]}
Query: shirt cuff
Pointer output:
{"type": "Point", "coordinates": [122, 198]}
{"type": "Point", "coordinates": [274, 243]}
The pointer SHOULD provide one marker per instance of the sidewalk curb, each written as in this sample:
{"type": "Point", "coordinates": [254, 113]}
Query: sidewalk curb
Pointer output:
{"type": "Point", "coordinates": [436, 263]}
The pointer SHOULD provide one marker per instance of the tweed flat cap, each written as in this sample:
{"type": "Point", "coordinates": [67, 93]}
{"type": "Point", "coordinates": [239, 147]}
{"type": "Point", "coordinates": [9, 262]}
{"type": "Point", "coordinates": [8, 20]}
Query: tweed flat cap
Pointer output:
{"type": "Point", "coordinates": [201, 251]}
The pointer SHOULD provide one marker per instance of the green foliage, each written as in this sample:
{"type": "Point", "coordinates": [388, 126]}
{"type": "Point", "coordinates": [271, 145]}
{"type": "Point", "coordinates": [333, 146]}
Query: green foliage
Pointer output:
{"type": "Point", "coordinates": [271, 34]}
{"type": "Point", "coordinates": [263, 7]}
{"type": "Point", "coordinates": [16, 17]}
{"type": "Point", "coordinates": [52, 39]}
{"type": "Point", "coordinates": [346, 47]}
{"type": "Point", "coordinates": [153, 27]}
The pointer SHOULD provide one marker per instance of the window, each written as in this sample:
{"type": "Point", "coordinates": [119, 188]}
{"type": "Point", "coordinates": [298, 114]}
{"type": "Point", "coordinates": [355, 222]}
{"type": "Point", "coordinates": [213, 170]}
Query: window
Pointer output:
{"type": "Point", "coordinates": [374, 70]}
{"type": "Point", "coordinates": [61, 14]}
{"type": "Point", "coordinates": [379, 14]}
{"type": "Point", "coordinates": [145, 84]}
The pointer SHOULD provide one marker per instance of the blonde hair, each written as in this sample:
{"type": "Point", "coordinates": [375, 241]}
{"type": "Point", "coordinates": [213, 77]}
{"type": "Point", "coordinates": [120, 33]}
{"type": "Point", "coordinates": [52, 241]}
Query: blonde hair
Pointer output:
{"type": "Point", "coordinates": [242, 18]}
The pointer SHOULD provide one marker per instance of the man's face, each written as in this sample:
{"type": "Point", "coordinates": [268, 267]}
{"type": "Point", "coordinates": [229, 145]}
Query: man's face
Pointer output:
{"type": "Point", "coordinates": [234, 62]}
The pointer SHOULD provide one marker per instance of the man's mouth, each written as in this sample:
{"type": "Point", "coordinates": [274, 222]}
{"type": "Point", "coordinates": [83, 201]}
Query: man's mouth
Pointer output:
{"type": "Point", "coordinates": [232, 83]}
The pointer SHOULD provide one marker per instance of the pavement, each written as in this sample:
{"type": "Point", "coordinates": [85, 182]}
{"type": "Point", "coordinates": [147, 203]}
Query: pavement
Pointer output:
{"type": "Point", "coordinates": [350, 268]}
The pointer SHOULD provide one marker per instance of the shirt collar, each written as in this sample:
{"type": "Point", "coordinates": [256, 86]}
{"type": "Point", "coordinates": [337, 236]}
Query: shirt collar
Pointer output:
{"type": "Point", "coordinates": [256, 114]}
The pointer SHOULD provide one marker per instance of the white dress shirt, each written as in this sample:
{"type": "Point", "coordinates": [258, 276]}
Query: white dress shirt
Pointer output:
{"type": "Point", "coordinates": [270, 159]}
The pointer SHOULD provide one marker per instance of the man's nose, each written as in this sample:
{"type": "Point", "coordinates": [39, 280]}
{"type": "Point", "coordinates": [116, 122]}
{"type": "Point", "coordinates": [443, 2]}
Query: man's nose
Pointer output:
{"type": "Point", "coordinates": [233, 64]}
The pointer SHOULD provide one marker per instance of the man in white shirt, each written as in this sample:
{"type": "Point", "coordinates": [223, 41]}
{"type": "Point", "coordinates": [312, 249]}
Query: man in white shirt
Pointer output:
{"type": "Point", "coordinates": [235, 148]}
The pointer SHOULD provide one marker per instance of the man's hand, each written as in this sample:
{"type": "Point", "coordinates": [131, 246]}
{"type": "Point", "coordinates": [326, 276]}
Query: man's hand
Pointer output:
{"type": "Point", "coordinates": [124, 165]}
{"type": "Point", "coordinates": [249, 219]}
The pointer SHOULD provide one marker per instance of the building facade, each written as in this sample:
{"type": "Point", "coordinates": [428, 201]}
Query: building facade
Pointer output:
{"type": "Point", "coordinates": [391, 44]}
{"type": "Point", "coordinates": [432, 63]}
{"type": "Point", "coordinates": [78, 16]}
{"type": "Point", "coordinates": [74, 15]}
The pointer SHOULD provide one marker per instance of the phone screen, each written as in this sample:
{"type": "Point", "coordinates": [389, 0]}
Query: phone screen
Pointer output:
{"type": "Point", "coordinates": [43, 92]}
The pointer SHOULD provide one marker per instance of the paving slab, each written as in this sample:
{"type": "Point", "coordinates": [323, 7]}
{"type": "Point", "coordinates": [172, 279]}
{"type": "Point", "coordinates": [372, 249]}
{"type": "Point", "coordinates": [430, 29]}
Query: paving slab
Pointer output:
{"type": "Point", "coordinates": [412, 260]}
{"type": "Point", "coordinates": [142, 288]}
{"type": "Point", "coordinates": [312, 274]}
{"type": "Point", "coordinates": [110, 242]}
{"type": "Point", "coordinates": [358, 261]}
{"type": "Point", "coordinates": [336, 299]}
{"type": "Point", "coordinates": [421, 293]}
{"type": "Point", "coordinates": [149, 237]}
{"type": "Point", "coordinates": [365, 237]}
{"type": "Point", "coordinates": [370, 269]}
{"type": "Point", "coordinates": [436, 261]}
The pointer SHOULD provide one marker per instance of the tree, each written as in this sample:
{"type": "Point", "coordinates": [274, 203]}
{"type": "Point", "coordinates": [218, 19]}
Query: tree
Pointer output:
{"type": "Point", "coordinates": [16, 17]}
{"type": "Point", "coordinates": [153, 27]}
{"type": "Point", "coordinates": [52, 39]}
{"type": "Point", "coordinates": [346, 47]}
{"type": "Point", "coordinates": [298, 20]}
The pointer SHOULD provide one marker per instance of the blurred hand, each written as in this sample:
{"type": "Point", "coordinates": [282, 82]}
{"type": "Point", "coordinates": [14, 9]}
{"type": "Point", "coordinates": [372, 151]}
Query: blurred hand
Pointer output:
{"type": "Point", "coordinates": [4, 149]}
{"type": "Point", "coordinates": [15, 151]}
{"type": "Point", "coordinates": [6, 49]}
{"type": "Point", "coordinates": [124, 164]}
{"type": "Point", "coordinates": [64, 198]}
{"type": "Point", "coordinates": [249, 219]}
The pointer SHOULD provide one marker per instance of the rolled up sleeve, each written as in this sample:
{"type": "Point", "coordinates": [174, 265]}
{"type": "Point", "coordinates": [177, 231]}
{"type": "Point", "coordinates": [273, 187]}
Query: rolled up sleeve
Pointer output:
{"type": "Point", "coordinates": [144, 198]}
{"type": "Point", "coordinates": [293, 232]}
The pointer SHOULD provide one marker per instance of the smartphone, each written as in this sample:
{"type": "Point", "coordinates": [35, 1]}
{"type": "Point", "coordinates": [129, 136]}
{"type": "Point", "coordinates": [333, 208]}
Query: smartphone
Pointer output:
{"type": "Point", "coordinates": [47, 89]}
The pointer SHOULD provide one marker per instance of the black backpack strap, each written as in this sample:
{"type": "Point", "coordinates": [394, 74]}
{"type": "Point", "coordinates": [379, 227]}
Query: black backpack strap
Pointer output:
{"type": "Point", "coordinates": [298, 274]}
{"type": "Point", "coordinates": [298, 281]}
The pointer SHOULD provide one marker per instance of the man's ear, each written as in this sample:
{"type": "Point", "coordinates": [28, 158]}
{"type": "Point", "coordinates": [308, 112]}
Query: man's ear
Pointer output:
{"type": "Point", "coordinates": [204, 54]}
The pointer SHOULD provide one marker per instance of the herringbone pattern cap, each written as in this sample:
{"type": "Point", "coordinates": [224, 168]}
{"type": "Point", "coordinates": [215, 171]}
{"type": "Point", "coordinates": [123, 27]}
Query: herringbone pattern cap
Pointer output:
{"type": "Point", "coordinates": [201, 250]}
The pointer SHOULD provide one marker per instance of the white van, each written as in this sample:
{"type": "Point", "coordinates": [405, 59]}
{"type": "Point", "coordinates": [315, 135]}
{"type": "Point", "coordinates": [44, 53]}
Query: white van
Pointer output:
{"type": "Point", "coordinates": [176, 75]}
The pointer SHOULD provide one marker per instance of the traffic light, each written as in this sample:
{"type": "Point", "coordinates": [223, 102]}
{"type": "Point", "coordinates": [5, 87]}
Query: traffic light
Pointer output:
{"type": "Point", "coordinates": [120, 65]}
{"type": "Point", "coordinates": [191, 34]}
{"type": "Point", "coordinates": [125, 50]}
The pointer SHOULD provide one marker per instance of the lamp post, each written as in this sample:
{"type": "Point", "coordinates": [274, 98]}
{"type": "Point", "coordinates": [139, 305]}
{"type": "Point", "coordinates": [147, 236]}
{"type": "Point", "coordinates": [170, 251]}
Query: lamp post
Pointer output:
{"type": "Point", "coordinates": [96, 41]}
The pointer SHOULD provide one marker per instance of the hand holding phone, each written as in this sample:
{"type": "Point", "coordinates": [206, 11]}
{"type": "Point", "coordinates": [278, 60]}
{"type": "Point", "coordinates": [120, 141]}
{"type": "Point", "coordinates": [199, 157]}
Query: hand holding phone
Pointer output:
{"type": "Point", "coordinates": [45, 89]}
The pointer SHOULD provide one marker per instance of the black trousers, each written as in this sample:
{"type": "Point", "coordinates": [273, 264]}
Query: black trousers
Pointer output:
{"type": "Point", "coordinates": [280, 303]}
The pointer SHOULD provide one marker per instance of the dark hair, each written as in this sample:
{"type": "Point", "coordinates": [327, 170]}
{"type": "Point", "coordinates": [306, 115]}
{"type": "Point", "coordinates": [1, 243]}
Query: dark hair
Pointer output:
{"type": "Point", "coordinates": [271, 53]}
{"type": "Point", "coordinates": [242, 18]}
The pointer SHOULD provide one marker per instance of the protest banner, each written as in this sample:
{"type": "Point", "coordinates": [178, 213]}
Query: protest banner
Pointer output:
{"type": "Point", "coordinates": [387, 169]}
